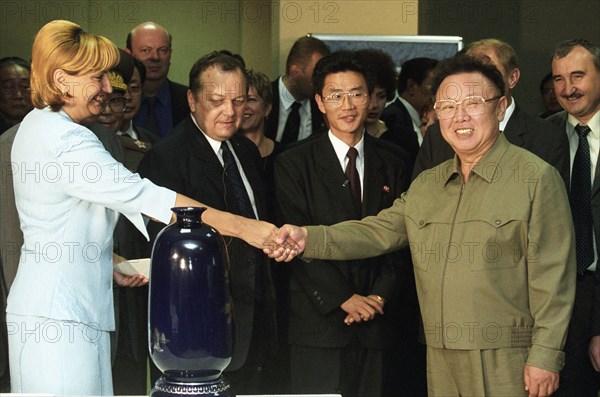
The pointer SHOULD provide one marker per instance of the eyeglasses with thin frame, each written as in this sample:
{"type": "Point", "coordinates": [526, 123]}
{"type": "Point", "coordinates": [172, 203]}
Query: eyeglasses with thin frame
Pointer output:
{"type": "Point", "coordinates": [117, 105]}
{"type": "Point", "coordinates": [335, 99]}
{"type": "Point", "coordinates": [472, 105]}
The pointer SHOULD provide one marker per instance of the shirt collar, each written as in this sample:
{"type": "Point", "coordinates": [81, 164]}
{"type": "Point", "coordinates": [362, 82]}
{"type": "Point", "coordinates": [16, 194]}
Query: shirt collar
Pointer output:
{"type": "Point", "coordinates": [214, 144]}
{"type": "Point", "coordinates": [130, 131]}
{"type": "Point", "coordinates": [414, 115]}
{"type": "Point", "coordinates": [486, 168]}
{"type": "Point", "coordinates": [594, 125]}
{"type": "Point", "coordinates": [341, 148]}
{"type": "Point", "coordinates": [287, 99]}
{"type": "Point", "coordinates": [509, 111]}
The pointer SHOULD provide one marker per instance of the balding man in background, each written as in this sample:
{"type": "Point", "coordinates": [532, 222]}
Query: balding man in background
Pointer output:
{"type": "Point", "coordinates": [164, 103]}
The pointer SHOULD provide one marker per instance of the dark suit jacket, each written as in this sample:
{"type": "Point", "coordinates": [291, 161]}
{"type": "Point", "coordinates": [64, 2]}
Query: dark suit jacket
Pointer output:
{"type": "Point", "coordinates": [312, 189]}
{"type": "Point", "coordinates": [318, 123]}
{"type": "Point", "coordinates": [179, 104]}
{"type": "Point", "coordinates": [560, 119]}
{"type": "Point", "coordinates": [185, 163]}
{"type": "Point", "coordinates": [540, 137]}
{"type": "Point", "coordinates": [400, 128]}
{"type": "Point", "coordinates": [135, 149]}
{"type": "Point", "coordinates": [396, 114]}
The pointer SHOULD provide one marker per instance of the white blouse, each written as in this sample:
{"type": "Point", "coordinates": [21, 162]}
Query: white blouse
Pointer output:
{"type": "Point", "coordinates": [69, 191]}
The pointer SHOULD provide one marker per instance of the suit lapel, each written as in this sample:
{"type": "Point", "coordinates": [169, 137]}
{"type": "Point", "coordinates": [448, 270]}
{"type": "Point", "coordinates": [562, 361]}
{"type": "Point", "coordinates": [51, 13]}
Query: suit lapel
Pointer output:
{"type": "Point", "coordinates": [596, 184]}
{"type": "Point", "coordinates": [206, 161]}
{"type": "Point", "coordinates": [516, 128]}
{"type": "Point", "coordinates": [374, 179]}
{"type": "Point", "coordinates": [252, 171]}
{"type": "Point", "coordinates": [318, 125]}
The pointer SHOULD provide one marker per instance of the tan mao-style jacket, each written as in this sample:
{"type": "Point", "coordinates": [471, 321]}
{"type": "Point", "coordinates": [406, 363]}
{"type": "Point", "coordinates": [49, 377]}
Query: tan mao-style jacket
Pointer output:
{"type": "Point", "coordinates": [494, 258]}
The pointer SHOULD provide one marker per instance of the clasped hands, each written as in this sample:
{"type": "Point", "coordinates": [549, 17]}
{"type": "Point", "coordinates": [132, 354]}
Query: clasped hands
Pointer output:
{"type": "Point", "coordinates": [362, 308]}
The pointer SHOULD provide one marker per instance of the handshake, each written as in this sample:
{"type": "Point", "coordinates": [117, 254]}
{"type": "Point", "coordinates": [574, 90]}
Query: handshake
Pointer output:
{"type": "Point", "coordinates": [281, 244]}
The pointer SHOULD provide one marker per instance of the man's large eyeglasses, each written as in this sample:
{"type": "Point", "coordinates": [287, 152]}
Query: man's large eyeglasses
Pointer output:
{"type": "Point", "coordinates": [336, 99]}
{"type": "Point", "coordinates": [472, 105]}
{"type": "Point", "coordinates": [117, 105]}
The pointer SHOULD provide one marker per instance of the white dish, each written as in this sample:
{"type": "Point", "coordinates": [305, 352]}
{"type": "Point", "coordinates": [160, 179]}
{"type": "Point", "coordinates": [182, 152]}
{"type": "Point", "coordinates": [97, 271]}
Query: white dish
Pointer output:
{"type": "Point", "coordinates": [134, 266]}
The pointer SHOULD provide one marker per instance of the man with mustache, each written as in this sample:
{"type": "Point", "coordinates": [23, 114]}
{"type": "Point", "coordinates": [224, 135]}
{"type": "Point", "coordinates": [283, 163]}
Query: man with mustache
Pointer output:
{"type": "Point", "coordinates": [576, 74]}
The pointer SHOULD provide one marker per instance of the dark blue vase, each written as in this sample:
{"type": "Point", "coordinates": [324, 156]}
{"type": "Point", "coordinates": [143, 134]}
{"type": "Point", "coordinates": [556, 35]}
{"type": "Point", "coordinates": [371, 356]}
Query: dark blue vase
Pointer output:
{"type": "Point", "coordinates": [190, 315]}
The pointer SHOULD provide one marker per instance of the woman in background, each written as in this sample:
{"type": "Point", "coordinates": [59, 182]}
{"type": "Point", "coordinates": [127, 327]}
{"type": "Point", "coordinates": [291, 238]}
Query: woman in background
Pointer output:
{"type": "Point", "coordinates": [69, 192]}
{"type": "Point", "coordinates": [258, 107]}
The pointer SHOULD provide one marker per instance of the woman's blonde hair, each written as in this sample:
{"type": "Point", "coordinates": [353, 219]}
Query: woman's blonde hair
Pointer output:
{"type": "Point", "coordinates": [65, 45]}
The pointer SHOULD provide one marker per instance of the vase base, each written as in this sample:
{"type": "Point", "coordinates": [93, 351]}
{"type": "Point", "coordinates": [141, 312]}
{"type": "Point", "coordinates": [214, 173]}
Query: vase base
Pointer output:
{"type": "Point", "coordinates": [169, 388]}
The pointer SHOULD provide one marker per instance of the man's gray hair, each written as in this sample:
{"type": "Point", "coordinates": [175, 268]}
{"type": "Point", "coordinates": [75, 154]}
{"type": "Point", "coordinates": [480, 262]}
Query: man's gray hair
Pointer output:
{"type": "Point", "coordinates": [563, 49]}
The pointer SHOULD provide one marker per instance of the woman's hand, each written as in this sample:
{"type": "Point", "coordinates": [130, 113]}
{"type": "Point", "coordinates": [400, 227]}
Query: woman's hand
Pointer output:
{"type": "Point", "coordinates": [137, 280]}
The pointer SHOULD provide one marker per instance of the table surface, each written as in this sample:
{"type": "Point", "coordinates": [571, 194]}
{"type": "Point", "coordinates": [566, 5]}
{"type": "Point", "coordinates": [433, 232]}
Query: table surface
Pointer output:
{"type": "Point", "coordinates": [241, 395]}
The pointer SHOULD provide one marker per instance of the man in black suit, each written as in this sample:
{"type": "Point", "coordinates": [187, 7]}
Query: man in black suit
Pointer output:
{"type": "Point", "coordinates": [520, 128]}
{"type": "Point", "coordinates": [193, 160]}
{"type": "Point", "coordinates": [576, 74]}
{"type": "Point", "coordinates": [294, 89]}
{"type": "Point", "coordinates": [336, 331]}
{"type": "Point", "coordinates": [164, 104]}
{"type": "Point", "coordinates": [413, 97]}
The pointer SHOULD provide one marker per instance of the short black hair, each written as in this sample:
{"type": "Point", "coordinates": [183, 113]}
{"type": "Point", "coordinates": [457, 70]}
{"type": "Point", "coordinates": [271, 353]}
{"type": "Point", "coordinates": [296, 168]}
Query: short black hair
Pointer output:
{"type": "Point", "coordinates": [139, 65]}
{"type": "Point", "coordinates": [384, 68]}
{"type": "Point", "coordinates": [466, 64]}
{"type": "Point", "coordinates": [341, 61]}
{"type": "Point", "coordinates": [9, 61]}
{"type": "Point", "coordinates": [563, 49]}
{"type": "Point", "coordinates": [415, 69]}
{"type": "Point", "coordinates": [218, 59]}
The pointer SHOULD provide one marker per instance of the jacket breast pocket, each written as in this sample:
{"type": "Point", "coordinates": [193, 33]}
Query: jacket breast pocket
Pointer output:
{"type": "Point", "coordinates": [500, 242]}
{"type": "Point", "coordinates": [427, 237]}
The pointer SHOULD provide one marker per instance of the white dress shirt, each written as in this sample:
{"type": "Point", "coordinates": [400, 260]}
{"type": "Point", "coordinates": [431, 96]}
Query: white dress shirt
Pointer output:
{"type": "Point", "coordinates": [286, 100]}
{"type": "Point", "coordinates": [216, 147]}
{"type": "Point", "coordinates": [341, 150]}
{"type": "Point", "coordinates": [509, 111]}
{"type": "Point", "coordinates": [415, 117]}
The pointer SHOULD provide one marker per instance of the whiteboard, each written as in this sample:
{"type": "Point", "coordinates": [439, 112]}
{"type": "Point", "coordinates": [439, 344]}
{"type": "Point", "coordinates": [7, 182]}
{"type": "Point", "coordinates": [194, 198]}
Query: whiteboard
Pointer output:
{"type": "Point", "coordinates": [401, 48]}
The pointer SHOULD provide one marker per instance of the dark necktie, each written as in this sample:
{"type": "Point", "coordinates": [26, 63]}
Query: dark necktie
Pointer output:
{"type": "Point", "coordinates": [292, 125]}
{"type": "Point", "coordinates": [234, 183]}
{"type": "Point", "coordinates": [354, 179]}
{"type": "Point", "coordinates": [580, 198]}
{"type": "Point", "coordinates": [152, 124]}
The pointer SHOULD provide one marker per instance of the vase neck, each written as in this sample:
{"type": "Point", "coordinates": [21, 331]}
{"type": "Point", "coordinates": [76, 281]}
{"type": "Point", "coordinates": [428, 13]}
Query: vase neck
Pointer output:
{"type": "Point", "coordinates": [189, 217]}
